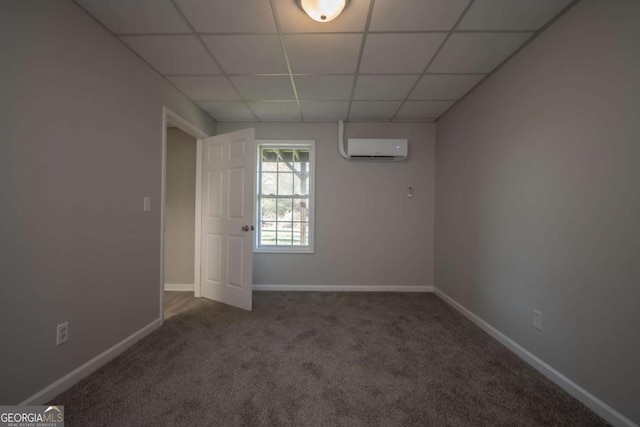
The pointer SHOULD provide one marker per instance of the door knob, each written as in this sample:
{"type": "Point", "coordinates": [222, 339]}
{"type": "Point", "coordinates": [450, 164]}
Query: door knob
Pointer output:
{"type": "Point", "coordinates": [247, 228]}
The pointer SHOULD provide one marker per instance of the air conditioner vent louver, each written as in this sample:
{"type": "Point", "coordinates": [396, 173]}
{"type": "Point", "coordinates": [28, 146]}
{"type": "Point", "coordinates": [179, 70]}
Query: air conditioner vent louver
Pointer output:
{"type": "Point", "coordinates": [377, 149]}
{"type": "Point", "coordinates": [374, 157]}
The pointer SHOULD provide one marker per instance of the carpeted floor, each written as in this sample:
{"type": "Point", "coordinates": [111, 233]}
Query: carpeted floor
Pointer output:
{"type": "Point", "coordinates": [321, 359]}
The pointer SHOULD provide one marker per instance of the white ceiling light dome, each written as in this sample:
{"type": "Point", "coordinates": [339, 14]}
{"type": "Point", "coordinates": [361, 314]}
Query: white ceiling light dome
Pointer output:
{"type": "Point", "coordinates": [323, 10]}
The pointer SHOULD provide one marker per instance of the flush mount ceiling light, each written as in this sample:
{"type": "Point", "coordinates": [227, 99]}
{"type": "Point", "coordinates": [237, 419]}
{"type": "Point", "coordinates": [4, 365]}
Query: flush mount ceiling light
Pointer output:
{"type": "Point", "coordinates": [322, 10]}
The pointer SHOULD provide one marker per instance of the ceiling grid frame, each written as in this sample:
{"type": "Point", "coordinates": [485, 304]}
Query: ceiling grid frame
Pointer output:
{"type": "Point", "coordinates": [204, 45]}
{"type": "Point", "coordinates": [435, 55]}
{"type": "Point", "coordinates": [286, 58]}
{"type": "Point", "coordinates": [317, 105]}
{"type": "Point", "coordinates": [372, 4]}
{"type": "Point", "coordinates": [514, 53]}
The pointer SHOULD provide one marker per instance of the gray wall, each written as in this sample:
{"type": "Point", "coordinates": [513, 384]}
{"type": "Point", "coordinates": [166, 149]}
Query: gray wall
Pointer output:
{"type": "Point", "coordinates": [180, 208]}
{"type": "Point", "coordinates": [81, 129]}
{"type": "Point", "coordinates": [538, 200]}
{"type": "Point", "coordinates": [367, 231]}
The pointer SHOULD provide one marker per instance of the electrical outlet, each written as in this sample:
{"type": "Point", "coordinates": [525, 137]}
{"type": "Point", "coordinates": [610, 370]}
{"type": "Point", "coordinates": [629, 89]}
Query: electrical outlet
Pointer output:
{"type": "Point", "coordinates": [62, 333]}
{"type": "Point", "coordinates": [146, 204]}
{"type": "Point", "coordinates": [537, 320]}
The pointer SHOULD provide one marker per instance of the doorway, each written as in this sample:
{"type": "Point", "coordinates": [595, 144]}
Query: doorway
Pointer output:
{"type": "Point", "coordinates": [180, 194]}
{"type": "Point", "coordinates": [224, 187]}
{"type": "Point", "coordinates": [179, 221]}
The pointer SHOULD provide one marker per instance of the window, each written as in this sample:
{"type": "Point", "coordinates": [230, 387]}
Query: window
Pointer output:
{"type": "Point", "coordinates": [285, 204]}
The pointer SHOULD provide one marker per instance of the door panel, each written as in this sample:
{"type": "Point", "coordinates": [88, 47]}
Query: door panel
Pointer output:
{"type": "Point", "coordinates": [237, 150]}
{"type": "Point", "coordinates": [236, 193]}
{"type": "Point", "coordinates": [214, 267]}
{"type": "Point", "coordinates": [227, 208]}
{"type": "Point", "coordinates": [215, 191]}
{"type": "Point", "coordinates": [235, 261]}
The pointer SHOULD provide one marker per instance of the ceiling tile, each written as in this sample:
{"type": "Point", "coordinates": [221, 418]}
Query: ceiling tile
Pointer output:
{"type": "Point", "coordinates": [135, 17]}
{"type": "Point", "coordinates": [445, 86]}
{"type": "Point", "coordinates": [228, 110]}
{"type": "Point", "coordinates": [476, 52]}
{"type": "Point", "coordinates": [383, 88]}
{"type": "Point", "coordinates": [283, 110]}
{"type": "Point", "coordinates": [324, 87]}
{"type": "Point", "coordinates": [313, 110]}
{"type": "Point", "coordinates": [416, 15]}
{"type": "Point", "coordinates": [224, 16]}
{"type": "Point", "coordinates": [248, 54]}
{"type": "Point", "coordinates": [294, 20]}
{"type": "Point", "coordinates": [423, 109]}
{"type": "Point", "coordinates": [323, 53]}
{"type": "Point", "coordinates": [173, 54]}
{"type": "Point", "coordinates": [264, 88]}
{"type": "Point", "coordinates": [399, 53]}
{"type": "Point", "coordinates": [206, 88]}
{"type": "Point", "coordinates": [373, 109]}
{"type": "Point", "coordinates": [511, 15]}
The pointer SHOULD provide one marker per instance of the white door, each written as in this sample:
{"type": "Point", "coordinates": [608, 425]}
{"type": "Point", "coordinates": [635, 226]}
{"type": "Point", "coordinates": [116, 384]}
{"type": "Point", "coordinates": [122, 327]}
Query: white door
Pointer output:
{"type": "Point", "coordinates": [227, 218]}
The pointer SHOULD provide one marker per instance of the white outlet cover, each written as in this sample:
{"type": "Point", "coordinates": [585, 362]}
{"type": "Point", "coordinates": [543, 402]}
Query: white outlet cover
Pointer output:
{"type": "Point", "coordinates": [537, 320]}
{"type": "Point", "coordinates": [146, 204]}
{"type": "Point", "coordinates": [62, 333]}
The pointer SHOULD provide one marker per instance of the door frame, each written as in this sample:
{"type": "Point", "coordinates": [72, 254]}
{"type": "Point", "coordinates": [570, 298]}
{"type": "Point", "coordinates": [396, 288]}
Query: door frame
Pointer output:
{"type": "Point", "coordinates": [171, 118]}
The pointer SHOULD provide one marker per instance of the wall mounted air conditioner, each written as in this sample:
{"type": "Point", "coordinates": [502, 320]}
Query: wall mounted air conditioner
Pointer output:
{"type": "Point", "coordinates": [377, 149]}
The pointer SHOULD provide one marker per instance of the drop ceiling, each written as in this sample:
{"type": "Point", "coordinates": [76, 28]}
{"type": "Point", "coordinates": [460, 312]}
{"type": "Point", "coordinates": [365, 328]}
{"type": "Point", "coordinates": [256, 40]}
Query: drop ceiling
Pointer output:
{"type": "Point", "coordinates": [380, 60]}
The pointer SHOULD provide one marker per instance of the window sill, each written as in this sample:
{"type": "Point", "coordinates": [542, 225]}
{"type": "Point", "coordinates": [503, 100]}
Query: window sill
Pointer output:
{"type": "Point", "coordinates": [283, 250]}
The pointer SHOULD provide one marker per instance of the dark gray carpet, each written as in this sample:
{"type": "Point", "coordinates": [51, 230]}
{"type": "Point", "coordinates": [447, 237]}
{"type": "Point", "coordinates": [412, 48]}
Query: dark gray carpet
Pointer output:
{"type": "Point", "coordinates": [321, 359]}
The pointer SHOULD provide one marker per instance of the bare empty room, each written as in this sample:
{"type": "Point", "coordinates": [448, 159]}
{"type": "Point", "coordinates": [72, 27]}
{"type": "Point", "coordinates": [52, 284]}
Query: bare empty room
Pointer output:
{"type": "Point", "coordinates": [306, 212]}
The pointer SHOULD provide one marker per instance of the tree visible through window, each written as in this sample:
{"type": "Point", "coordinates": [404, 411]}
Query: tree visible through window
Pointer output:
{"type": "Point", "coordinates": [285, 182]}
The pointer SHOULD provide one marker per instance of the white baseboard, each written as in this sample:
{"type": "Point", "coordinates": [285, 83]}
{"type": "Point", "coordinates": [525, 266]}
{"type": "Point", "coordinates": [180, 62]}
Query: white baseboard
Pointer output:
{"type": "Point", "coordinates": [612, 416]}
{"type": "Point", "coordinates": [323, 288]}
{"type": "Point", "coordinates": [62, 384]}
{"type": "Point", "coordinates": [179, 287]}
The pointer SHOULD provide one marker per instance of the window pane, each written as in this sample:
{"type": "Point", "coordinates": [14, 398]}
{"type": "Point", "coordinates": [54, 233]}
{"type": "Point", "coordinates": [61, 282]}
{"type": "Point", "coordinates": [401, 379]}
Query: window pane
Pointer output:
{"type": "Point", "coordinates": [268, 209]}
{"type": "Point", "coordinates": [285, 163]}
{"type": "Point", "coordinates": [300, 233]}
{"type": "Point", "coordinates": [285, 236]}
{"type": "Point", "coordinates": [284, 226]}
{"type": "Point", "coordinates": [269, 183]}
{"type": "Point", "coordinates": [301, 159]}
{"type": "Point", "coordinates": [300, 212]}
{"type": "Point", "coordinates": [301, 155]}
{"type": "Point", "coordinates": [285, 207]}
{"type": "Point", "coordinates": [269, 166]}
{"type": "Point", "coordinates": [269, 159]}
{"type": "Point", "coordinates": [267, 233]}
{"type": "Point", "coordinates": [301, 184]}
{"type": "Point", "coordinates": [285, 184]}
{"type": "Point", "coordinates": [301, 167]}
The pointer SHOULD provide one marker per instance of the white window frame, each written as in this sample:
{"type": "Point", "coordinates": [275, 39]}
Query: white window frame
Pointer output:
{"type": "Point", "coordinates": [310, 248]}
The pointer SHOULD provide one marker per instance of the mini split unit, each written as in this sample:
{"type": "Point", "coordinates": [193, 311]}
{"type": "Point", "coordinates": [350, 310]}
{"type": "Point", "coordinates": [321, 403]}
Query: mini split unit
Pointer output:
{"type": "Point", "coordinates": [377, 149]}
{"type": "Point", "coordinates": [395, 150]}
